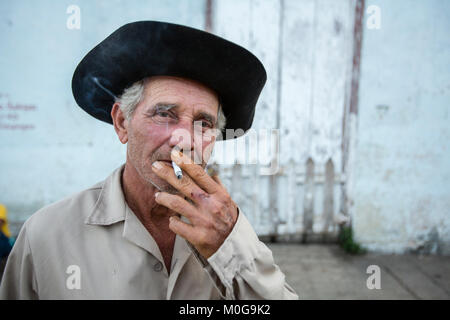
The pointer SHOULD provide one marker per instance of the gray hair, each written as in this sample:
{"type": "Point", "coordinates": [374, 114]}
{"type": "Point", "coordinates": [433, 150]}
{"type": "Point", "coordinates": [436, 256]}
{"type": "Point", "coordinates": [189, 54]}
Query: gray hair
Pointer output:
{"type": "Point", "coordinates": [133, 95]}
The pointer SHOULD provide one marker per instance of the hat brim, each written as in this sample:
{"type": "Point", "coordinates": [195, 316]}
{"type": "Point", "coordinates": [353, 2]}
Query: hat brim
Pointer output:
{"type": "Point", "coordinates": [151, 48]}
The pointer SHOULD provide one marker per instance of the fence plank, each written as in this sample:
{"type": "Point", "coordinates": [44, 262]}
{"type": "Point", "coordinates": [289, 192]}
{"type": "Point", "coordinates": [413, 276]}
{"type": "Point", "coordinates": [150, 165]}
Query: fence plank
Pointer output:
{"type": "Point", "coordinates": [292, 196]}
{"type": "Point", "coordinates": [256, 216]}
{"type": "Point", "coordinates": [328, 199]}
{"type": "Point", "coordinates": [236, 183]}
{"type": "Point", "coordinates": [300, 195]}
{"type": "Point", "coordinates": [308, 211]}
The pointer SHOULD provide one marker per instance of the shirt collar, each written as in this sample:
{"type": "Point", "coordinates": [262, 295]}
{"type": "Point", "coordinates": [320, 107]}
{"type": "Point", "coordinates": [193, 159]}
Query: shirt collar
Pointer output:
{"type": "Point", "coordinates": [110, 206]}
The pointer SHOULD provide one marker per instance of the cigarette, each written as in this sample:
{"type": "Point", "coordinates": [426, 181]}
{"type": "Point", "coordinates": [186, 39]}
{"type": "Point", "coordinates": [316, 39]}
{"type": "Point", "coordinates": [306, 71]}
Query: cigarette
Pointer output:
{"type": "Point", "coordinates": [177, 170]}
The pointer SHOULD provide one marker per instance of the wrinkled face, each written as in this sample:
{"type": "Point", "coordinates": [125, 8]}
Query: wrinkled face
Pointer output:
{"type": "Point", "coordinates": [174, 112]}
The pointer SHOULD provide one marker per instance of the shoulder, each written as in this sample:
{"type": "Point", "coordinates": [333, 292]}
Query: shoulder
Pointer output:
{"type": "Point", "coordinates": [69, 212]}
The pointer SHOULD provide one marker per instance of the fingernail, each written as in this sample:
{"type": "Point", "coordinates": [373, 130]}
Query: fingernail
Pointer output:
{"type": "Point", "coordinates": [175, 153]}
{"type": "Point", "coordinates": [157, 165]}
{"type": "Point", "coordinates": [157, 194]}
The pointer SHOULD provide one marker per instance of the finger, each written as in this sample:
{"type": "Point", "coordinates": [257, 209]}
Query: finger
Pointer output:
{"type": "Point", "coordinates": [177, 204]}
{"type": "Point", "coordinates": [196, 172]}
{"type": "Point", "coordinates": [183, 229]}
{"type": "Point", "coordinates": [185, 185]}
{"type": "Point", "coordinates": [217, 179]}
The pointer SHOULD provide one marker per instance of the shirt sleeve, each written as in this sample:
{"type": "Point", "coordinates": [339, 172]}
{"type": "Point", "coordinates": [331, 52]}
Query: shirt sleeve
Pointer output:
{"type": "Point", "coordinates": [244, 268]}
{"type": "Point", "coordinates": [19, 280]}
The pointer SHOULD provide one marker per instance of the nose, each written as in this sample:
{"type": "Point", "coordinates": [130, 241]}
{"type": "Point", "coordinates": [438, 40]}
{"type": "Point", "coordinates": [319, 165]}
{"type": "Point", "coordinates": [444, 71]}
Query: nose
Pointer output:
{"type": "Point", "coordinates": [183, 136]}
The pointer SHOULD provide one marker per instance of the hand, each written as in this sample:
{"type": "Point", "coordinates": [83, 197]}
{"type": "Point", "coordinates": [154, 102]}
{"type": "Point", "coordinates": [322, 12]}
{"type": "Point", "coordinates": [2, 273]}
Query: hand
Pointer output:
{"type": "Point", "coordinates": [213, 212]}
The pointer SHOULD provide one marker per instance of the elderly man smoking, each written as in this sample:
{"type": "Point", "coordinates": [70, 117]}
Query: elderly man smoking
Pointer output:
{"type": "Point", "coordinates": [143, 233]}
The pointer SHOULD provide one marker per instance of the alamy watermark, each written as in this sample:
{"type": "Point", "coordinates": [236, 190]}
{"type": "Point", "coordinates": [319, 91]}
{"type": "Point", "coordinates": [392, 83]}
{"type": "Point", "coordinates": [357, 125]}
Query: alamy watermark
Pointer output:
{"type": "Point", "coordinates": [374, 18]}
{"type": "Point", "coordinates": [74, 19]}
{"type": "Point", "coordinates": [374, 280]}
{"type": "Point", "coordinates": [256, 147]}
{"type": "Point", "coordinates": [73, 281]}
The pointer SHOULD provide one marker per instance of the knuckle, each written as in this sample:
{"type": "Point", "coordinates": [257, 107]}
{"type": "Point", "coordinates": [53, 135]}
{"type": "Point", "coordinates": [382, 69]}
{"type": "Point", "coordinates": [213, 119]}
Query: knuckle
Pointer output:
{"type": "Point", "coordinates": [176, 204]}
{"type": "Point", "coordinates": [209, 224]}
{"type": "Point", "coordinates": [199, 195]}
{"type": "Point", "coordinates": [205, 221]}
{"type": "Point", "coordinates": [163, 170]}
{"type": "Point", "coordinates": [220, 207]}
{"type": "Point", "coordinates": [216, 210]}
{"type": "Point", "coordinates": [226, 199]}
{"type": "Point", "coordinates": [184, 182]}
{"type": "Point", "coordinates": [198, 171]}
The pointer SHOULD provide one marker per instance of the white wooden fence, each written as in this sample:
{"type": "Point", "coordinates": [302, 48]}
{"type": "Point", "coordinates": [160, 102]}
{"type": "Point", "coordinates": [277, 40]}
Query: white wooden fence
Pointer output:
{"type": "Point", "coordinates": [306, 206]}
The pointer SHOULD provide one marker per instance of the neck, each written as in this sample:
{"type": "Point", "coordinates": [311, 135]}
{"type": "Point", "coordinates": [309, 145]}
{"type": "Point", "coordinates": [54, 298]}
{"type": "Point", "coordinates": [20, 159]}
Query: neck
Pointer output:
{"type": "Point", "coordinates": [140, 197]}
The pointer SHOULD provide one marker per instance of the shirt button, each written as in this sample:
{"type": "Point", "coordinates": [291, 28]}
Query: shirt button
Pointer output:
{"type": "Point", "coordinates": [158, 267]}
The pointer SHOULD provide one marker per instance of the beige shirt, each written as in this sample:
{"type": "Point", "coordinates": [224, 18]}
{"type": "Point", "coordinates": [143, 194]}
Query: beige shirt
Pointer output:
{"type": "Point", "coordinates": [92, 246]}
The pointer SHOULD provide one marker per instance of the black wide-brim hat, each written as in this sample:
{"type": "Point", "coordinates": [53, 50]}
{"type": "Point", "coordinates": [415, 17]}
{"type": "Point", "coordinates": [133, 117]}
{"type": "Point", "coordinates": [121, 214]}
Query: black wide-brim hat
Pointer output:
{"type": "Point", "coordinates": [151, 48]}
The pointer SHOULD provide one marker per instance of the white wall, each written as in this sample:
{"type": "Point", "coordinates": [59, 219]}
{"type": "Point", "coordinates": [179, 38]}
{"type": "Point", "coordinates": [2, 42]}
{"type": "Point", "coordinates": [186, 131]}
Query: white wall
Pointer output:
{"type": "Point", "coordinates": [402, 160]}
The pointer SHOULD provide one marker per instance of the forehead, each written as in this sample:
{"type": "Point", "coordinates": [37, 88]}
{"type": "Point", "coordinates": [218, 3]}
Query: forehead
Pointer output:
{"type": "Point", "coordinates": [186, 93]}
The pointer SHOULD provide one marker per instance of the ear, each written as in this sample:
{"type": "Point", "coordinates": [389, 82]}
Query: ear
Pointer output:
{"type": "Point", "coordinates": [120, 123]}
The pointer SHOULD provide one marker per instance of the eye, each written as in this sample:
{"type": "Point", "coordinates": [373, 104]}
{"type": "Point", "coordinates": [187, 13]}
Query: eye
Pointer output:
{"type": "Point", "coordinates": [163, 114]}
{"type": "Point", "coordinates": [206, 124]}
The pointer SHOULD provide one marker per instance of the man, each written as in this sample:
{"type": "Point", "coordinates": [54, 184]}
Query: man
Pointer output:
{"type": "Point", "coordinates": [144, 233]}
{"type": "Point", "coordinates": [5, 235]}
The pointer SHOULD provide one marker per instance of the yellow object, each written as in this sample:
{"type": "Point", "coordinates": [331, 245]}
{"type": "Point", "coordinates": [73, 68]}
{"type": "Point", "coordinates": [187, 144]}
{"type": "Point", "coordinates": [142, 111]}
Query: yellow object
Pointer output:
{"type": "Point", "coordinates": [3, 216]}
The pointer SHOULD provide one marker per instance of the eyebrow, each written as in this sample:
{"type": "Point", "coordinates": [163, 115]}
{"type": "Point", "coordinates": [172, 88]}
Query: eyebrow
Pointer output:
{"type": "Point", "coordinates": [162, 106]}
{"type": "Point", "coordinates": [207, 116]}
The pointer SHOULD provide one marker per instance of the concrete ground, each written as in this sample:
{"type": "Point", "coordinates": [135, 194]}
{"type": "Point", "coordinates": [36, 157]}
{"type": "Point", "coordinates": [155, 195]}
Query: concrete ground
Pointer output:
{"type": "Point", "coordinates": [327, 272]}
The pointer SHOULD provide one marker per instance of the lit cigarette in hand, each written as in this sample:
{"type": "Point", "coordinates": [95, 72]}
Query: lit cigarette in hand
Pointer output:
{"type": "Point", "coordinates": [177, 170]}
